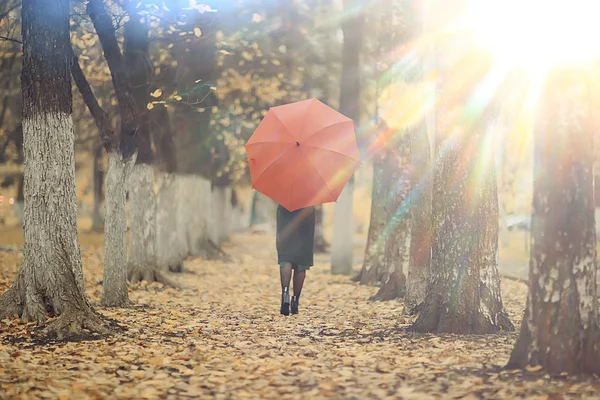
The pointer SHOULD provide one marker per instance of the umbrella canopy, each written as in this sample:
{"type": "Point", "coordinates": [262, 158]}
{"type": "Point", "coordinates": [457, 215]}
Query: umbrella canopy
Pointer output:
{"type": "Point", "coordinates": [302, 154]}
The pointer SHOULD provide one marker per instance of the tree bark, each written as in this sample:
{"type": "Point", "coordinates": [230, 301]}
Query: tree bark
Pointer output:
{"type": "Point", "coordinates": [50, 281]}
{"type": "Point", "coordinates": [395, 238]}
{"type": "Point", "coordinates": [343, 217]}
{"type": "Point", "coordinates": [560, 327]}
{"type": "Point", "coordinates": [464, 205]}
{"type": "Point", "coordinates": [421, 229]}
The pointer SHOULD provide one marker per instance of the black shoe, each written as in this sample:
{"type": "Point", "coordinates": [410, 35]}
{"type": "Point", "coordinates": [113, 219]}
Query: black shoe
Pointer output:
{"type": "Point", "coordinates": [285, 303]}
{"type": "Point", "coordinates": [294, 305]}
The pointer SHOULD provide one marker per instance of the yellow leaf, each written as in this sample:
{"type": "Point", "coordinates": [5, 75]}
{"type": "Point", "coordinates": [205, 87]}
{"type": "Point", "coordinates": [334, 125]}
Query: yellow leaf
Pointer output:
{"type": "Point", "coordinates": [531, 368]}
{"type": "Point", "coordinates": [197, 32]}
{"type": "Point", "coordinates": [156, 93]}
{"type": "Point", "coordinates": [150, 106]}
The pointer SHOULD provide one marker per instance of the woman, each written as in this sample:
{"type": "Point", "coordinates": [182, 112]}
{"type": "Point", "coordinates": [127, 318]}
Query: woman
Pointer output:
{"type": "Point", "coordinates": [295, 249]}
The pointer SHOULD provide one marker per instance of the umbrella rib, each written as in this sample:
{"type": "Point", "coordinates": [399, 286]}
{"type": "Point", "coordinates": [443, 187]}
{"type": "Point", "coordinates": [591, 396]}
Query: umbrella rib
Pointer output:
{"type": "Point", "coordinates": [267, 142]}
{"type": "Point", "coordinates": [305, 117]}
{"type": "Point", "coordinates": [284, 128]}
{"type": "Point", "coordinates": [331, 151]}
{"type": "Point", "coordinates": [325, 127]}
{"type": "Point", "coordinates": [320, 176]}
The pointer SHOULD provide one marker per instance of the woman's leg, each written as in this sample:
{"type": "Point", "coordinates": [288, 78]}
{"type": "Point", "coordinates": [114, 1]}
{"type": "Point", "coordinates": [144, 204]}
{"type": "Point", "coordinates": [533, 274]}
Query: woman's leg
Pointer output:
{"type": "Point", "coordinates": [285, 273]}
{"type": "Point", "coordinates": [299, 276]}
{"type": "Point", "coordinates": [298, 281]}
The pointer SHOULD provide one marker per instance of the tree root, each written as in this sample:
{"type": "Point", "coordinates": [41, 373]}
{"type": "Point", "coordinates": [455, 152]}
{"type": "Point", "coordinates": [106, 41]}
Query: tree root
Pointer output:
{"type": "Point", "coordinates": [126, 304]}
{"type": "Point", "coordinates": [176, 268]}
{"type": "Point", "coordinates": [394, 287]}
{"type": "Point", "coordinates": [214, 252]}
{"type": "Point", "coordinates": [368, 275]}
{"type": "Point", "coordinates": [73, 324]}
{"type": "Point", "coordinates": [11, 303]}
{"type": "Point", "coordinates": [136, 275]}
{"type": "Point", "coordinates": [412, 309]}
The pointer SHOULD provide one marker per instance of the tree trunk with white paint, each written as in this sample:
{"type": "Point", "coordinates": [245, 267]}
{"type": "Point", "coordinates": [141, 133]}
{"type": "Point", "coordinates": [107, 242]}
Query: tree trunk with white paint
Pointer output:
{"type": "Point", "coordinates": [171, 251]}
{"type": "Point", "coordinates": [372, 269]}
{"type": "Point", "coordinates": [50, 280]}
{"type": "Point", "coordinates": [114, 283]}
{"type": "Point", "coordinates": [343, 232]}
{"type": "Point", "coordinates": [321, 244]}
{"type": "Point", "coordinates": [121, 152]}
{"type": "Point", "coordinates": [560, 328]}
{"type": "Point", "coordinates": [195, 214]}
{"type": "Point", "coordinates": [219, 217]}
{"type": "Point", "coordinates": [143, 260]}
{"type": "Point", "coordinates": [342, 242]}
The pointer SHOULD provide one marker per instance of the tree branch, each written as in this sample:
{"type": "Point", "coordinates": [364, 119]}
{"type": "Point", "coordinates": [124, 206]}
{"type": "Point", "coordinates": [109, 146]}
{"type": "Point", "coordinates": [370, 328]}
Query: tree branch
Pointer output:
{"type": "Point", "coordinates": [107, 136]}
{"type": "Point", "coordinates": [14, 7]}
{"type": "Point", "coordinates": [10, 39]}
{"type": "Point", "coordinates": [3, 149]}
{"type": "Point", "coordinates": [11, 63]}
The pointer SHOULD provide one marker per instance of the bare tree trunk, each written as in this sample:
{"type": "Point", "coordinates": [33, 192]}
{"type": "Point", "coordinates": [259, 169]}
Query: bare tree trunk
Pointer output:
{"type": "Point", "coordinates": [50, 281]}
{"type": "Point", "coordinates": [560, 327]}
{"type": "Point", "coordinates": [98, 179]}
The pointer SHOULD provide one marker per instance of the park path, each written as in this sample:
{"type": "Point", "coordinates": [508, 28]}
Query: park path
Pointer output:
{"type": "Point", "coordinates": [221, 337]}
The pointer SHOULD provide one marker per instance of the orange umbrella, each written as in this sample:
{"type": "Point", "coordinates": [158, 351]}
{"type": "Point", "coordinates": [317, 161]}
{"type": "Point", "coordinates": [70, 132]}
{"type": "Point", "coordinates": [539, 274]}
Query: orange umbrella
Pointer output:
{"type": "Point", "coordinates": [302, 154]}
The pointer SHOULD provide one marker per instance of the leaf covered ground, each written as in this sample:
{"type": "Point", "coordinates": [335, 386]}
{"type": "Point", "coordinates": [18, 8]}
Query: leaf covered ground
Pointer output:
{"type": "Point", "coordinates": [222, 337]}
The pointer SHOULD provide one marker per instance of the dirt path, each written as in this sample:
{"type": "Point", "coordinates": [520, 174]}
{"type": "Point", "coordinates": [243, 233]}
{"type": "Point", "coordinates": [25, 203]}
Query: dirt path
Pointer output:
{"type": "Point", "coordinates": [222, 337]}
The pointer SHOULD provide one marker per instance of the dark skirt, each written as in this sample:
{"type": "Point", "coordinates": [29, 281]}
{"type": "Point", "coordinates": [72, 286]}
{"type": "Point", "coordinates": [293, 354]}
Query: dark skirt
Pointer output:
{"type": "Point", "coordinates": [296, 236]}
